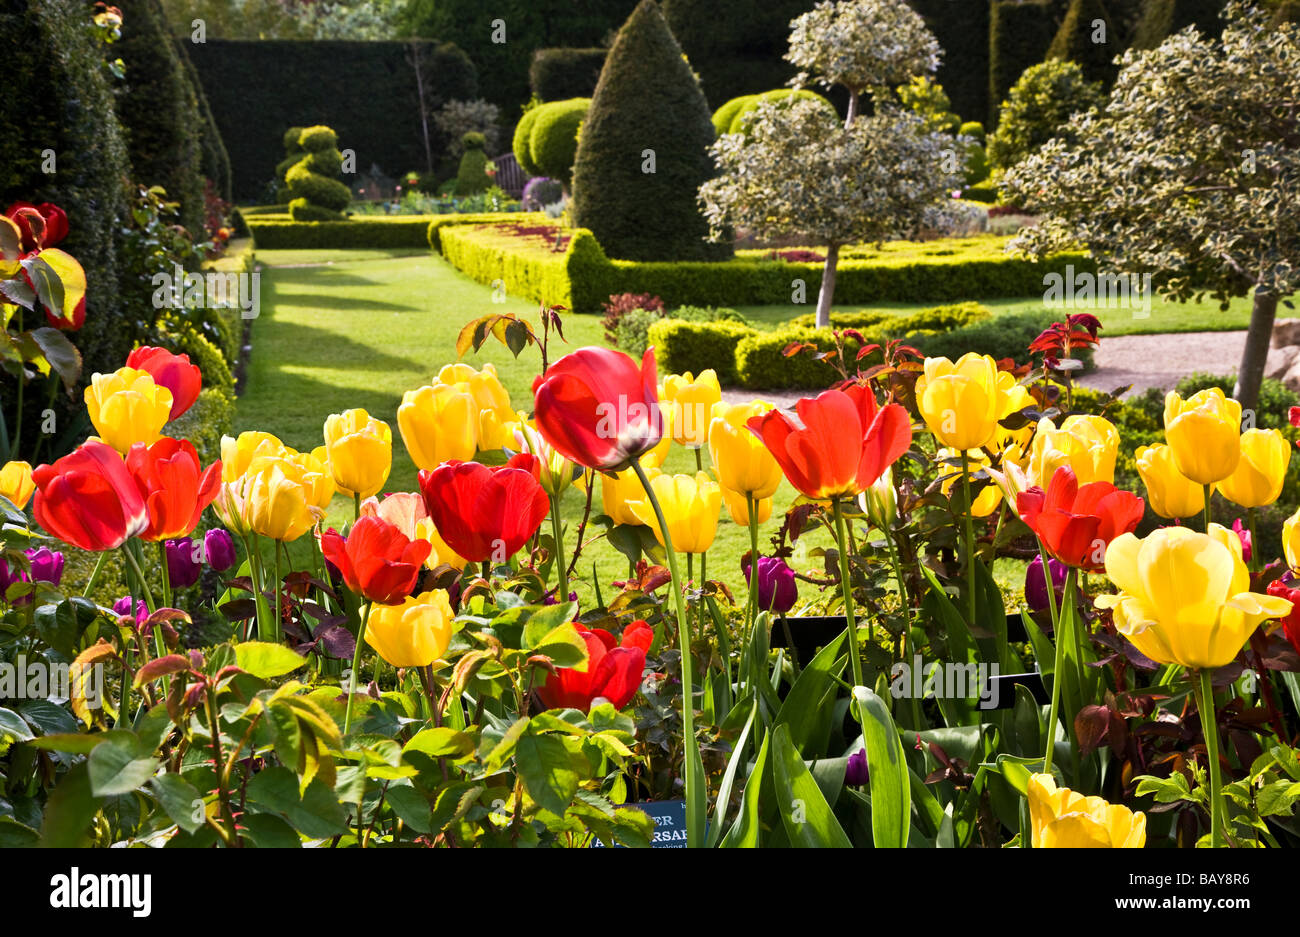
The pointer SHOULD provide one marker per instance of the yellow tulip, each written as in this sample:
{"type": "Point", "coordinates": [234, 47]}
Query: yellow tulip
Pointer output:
{"type": "Point", "coordinates": [989, 497]}
{"type": "Point", "coordinates": [691, 400]}
{"type": "Point", "coordinates": [743, 464]}
{"type": "Point", "coordinates": [1291, 541]}
{"type": "Point", "coordinates": [1087, 444]}
{"type": "Point", "coordinates": [491, 401]}
{"type": "Point", "coordinates": [618, 491]}
{"type": "Point", "coordinates": [1184, 596]}
{"type": "Point", "coordinates": [1204, 434]}
{"type": "Point", "coordinates": [238, 453]}
{"type": "Point", "coordinates": [738, 507]}
{"type": "Point", "coordinates": [16, 483]}
{"type": "Point", "coordinates": [1257, 480]}
{"type": "Point", "coordinates": [127, 407]}
{"type": "Point", "coordinates": [962, 401]}
{"type": "Point", "coordinates": [438, 423]}
{"type": "Point", "coordinates": [413, 634]}
{"type": "Point", "coordinates": [1059, 818]}
{"type": "Point", "coordinates": [316, 477]}
{"type": "Point", "coordinates": [1169, 492]}
{"type": "Point", "coordinates": [275, 494]}
{"type": "Point", "coordinates": [690, 504]}
{"type": "Point", "coordinates": [441, 553]}
{"type": "Point", "coordinates": [1015, 398]}
{"type": "Point", "coordinates": [360, 452]}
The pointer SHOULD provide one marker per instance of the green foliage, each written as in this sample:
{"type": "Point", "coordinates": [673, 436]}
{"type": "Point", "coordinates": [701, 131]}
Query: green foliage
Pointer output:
{"type": "Point", "coordinates": [57, 98]}
{"type": "Point", "coordinates": [682, 346]}
{"type": "Point", "coordinates": [487, 257]}
{"type": "Point", "coordinates": [372, 102]}
{"type": "Point", "coordinates": [211, 417]}
{"type": "Point", "coordinates": [884, 325]}
{"type": "Point", "coordinates": [558, 74]}
{"type": "Point", "coordinates": [976, 164]}
{"type": "Point", "coordinates": [647, 106]}
{"type": "Point", "coordinates": [1084, 22]}
{"type": "Point", "coordinates": [1036, 109]}
{"type": "Point", "coordinates": [180, 337]}
{"type": "Point", "coordinates": [553, 139]}
{"type": "Point", "coordinates": [1019, 35]}
{"type": "Point", "coordinates": [749, 104]}
{"type": "Point", "coordinates": [724, 115]}
{"type": "Point", "coordinates": [160, 111]}
{"type": "Point", "coordinates": [382, 231]}
{"type": "Point", "coordinates": [962, 29]}
{"type": "Point", "coordinates": [312, 182]}
{"type": "Point", "coordinates": [519, 144]}
{"type": "Point", "coordinates": [472, 176]}
{"type": "Point", "coordinates": [927, 98]}
{"type": "Point", "coordinates": [981, 192]}
{"type": "Point", "coordinates": [215, 163]}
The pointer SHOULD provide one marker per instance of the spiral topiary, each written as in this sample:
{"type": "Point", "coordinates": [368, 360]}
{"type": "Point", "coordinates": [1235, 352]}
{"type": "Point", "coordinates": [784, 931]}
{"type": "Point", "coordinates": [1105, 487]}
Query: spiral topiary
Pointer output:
{"type": "Point", "coordinates": [315, 192]}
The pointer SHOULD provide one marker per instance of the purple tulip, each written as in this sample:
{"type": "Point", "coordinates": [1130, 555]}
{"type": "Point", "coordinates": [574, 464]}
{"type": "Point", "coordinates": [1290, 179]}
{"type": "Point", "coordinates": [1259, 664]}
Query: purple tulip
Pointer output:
{"type": "Point", "coordinates": [1036, 584]}
{"type": "Point", "coordinates": [777, 591]}
{"type": "Point", "coordinates": [219, 548]}
{"type": "Point", "coordinates": [856, 774]}
{"type": "Point", "coordinates": [8, 577]}
{"type": "Point", "coordinates": [47, 565]}
{"type": "Point", "coordinates": [122, 608]}
{"type": "Point", "coordinates": [182, 568]}
{"type": "Point", "coordinates": [1244, 536]}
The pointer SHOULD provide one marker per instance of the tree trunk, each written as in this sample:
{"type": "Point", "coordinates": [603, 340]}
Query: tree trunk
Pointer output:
{"type": "Point", "coordinates": [417, 62]}
{"type": "Point", "coordinates": [1251, 373]}
{"type": "Point", "coordinates": [828, 286]}
{"type": "Point", "coordinates": [852, 109]}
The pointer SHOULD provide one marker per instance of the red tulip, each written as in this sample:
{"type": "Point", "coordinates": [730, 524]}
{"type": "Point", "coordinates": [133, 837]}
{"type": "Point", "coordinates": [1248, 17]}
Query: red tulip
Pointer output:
{"type": "Point", "coordinates": [46, 218]}
{"type": "Point", "coordinates": [613, 670]}
{"type": "Point", "coordinates": [376, 559]}
{"type": "Point", "coordinates": [485, 513]}
{"type": "Point", "coordinates": [174, 372]}
{"type": "Point", "coordinates": [174, 488]}
{"type": "Point", "coordinates": [89, 499]}
{"type": "Point", "coordinates": [846, 443]}
{"type": "Point", "coordinates": [597, 408]}
{"type": "Point", "coordinates": [1290, 624]}
{"type": "Point", "coordinates": [1076, 523]}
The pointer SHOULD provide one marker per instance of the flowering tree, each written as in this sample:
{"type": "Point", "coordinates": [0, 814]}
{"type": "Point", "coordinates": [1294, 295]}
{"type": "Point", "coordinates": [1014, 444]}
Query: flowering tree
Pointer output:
{"type": "Point", "coordinates": [797, 172]}
{"type": "Point", "coordinates": [1191, 174]}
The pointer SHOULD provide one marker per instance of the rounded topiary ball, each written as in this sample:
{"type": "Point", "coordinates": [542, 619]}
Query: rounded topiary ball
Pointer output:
{"type": "Point", "coordinates": [553, 142]}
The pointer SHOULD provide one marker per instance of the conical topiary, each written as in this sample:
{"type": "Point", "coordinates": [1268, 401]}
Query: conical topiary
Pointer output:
{"type": "Point", "coordinates": [472, 176]}
{"type": "Point", "coordinates": [643, 150]}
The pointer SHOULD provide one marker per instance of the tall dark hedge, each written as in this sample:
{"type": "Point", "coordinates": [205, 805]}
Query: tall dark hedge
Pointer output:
{"type": "Point", "coordinates": [160, 111]}
{"type": "Point", "coordinates": [962, 29]}
{"type": "Point", "coordinates": [529, 25]}
{"type": "Point", "coordinates": [647, 99]}
{"type": "Point", "coordinates": [1020, 32]}
{"type": "Point", "coordinates": [561, 74]}
{"type": "Point", "coordinates": [1162, 18]}
{"type": "Point", "coordinates": [736, 46]}
{"type": "Point", "coordinates": [1074, 41]}
{"type": "Point", "coordinates": [216, 161]}
{"type": "Point", "coordinates": [57, 95]}
{"type": "Point", "coordinates": [366, 91]}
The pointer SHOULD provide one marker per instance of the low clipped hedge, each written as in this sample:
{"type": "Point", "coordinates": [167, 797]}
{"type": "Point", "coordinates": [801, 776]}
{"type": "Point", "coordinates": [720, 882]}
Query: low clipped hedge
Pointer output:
{"type": "Point", "coordinates": [534, 273]}
{"type": "Point", "coordinates": [277, 232]}
{"type": "Point", "coordinates": [682, 346]}
{"type": "Point", "coordinates": [935, 271]}
{"type": "Point", "coordinates": [891, 325]}
{"type": "Point", "coordinates": [434, 228]}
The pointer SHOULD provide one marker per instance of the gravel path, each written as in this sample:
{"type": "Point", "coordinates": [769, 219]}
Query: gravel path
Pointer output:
{"type": "Point", "coordinates": [1141, 360]}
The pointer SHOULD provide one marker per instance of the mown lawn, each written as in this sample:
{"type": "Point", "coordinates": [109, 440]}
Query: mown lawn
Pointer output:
{"type": "Point", "coordinates": [343, 329]}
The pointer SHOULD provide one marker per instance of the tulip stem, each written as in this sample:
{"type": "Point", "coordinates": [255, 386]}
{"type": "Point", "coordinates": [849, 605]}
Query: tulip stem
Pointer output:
{"type": "Point", "coordinates": [1058, 667]}
{"type": "Point", "coordinates": [1209, 491]}
{"type": "Point", "coordinates": [356, 506]}
{"type": "Point", "coordinates": [696, 794]}
{"type": "Point", "coordinates": [139, 575]}
{"type": "Point", "coordinates": [1210, 728]}
{"type": "Point", "coordinates": [276, 629]}
{"type": "Point", "coordinates": [356, 669]}
{"type": "Point", "coordinates": [166, 574]}
{"type": "Point", "coordinates": [846, 587]}
{"type": "Point", "coordinates": [94, 575]}
{"type": "Point", "coordinates": [557, 531]}
{"type": "Point", "coordinates": [969, 531]}
{"type": "Point", "coordinates": [1254, 540]}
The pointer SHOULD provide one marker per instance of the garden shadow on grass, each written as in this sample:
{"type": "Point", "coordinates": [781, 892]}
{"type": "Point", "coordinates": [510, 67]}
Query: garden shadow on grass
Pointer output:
{"type": "Point", "coordinates": [338, 301]}
{"type": "Point", "coordinates": [297, 344]}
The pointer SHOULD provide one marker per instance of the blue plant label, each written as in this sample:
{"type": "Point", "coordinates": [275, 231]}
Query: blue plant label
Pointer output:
{"type": "Point", "coordinates": [670, 824]}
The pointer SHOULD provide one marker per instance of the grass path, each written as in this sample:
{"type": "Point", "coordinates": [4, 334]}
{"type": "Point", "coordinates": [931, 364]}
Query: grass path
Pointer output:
{"type": "Point", "coordinates": [343, 329]}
